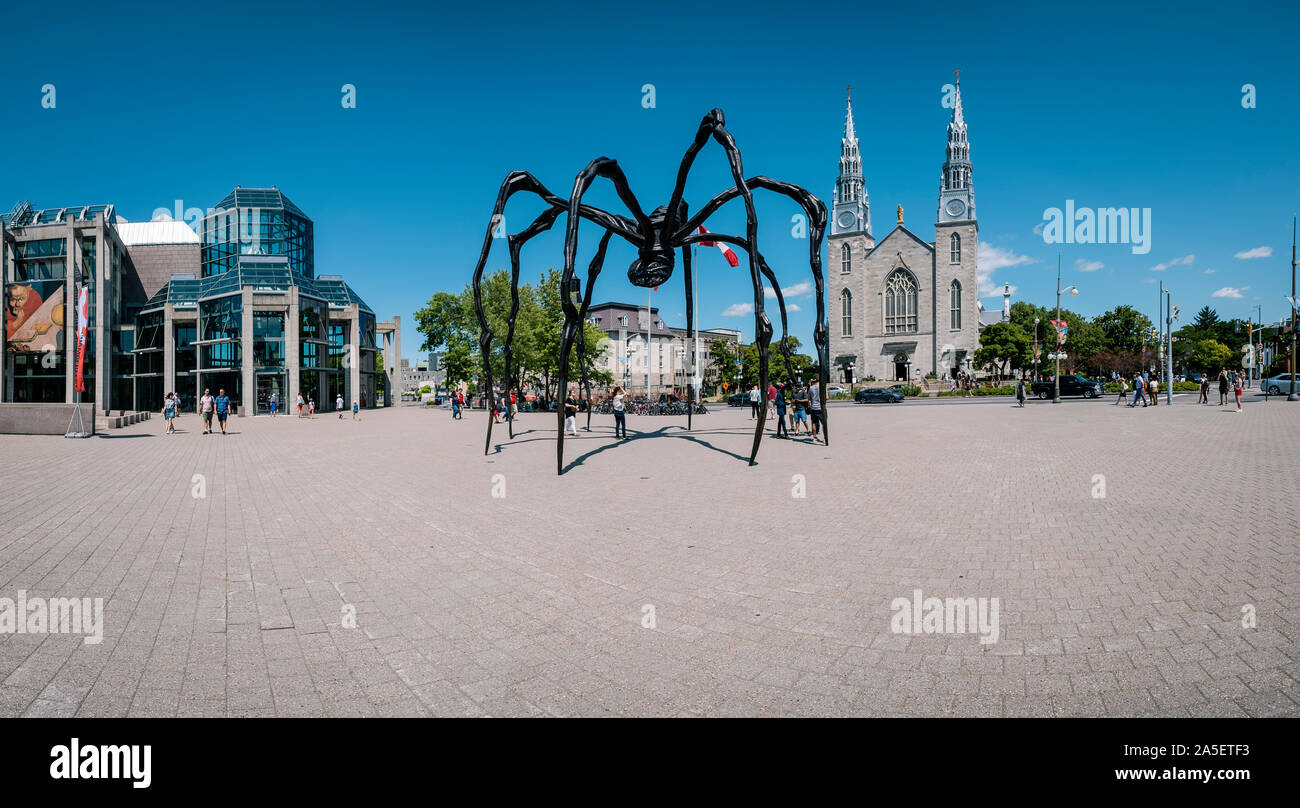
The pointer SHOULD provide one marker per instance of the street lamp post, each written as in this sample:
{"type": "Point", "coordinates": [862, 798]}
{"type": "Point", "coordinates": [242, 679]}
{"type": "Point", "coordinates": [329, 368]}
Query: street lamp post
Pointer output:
{"type": "Point", "coordinates": [1074, 291]}
{"type": "Point", "coordinates": [1292, 396]}
{"type": "Point", "coordinates": [1169, 346]}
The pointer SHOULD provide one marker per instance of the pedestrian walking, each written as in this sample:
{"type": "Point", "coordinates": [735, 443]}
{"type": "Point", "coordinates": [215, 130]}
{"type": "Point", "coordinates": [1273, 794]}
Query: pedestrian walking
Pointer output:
{"type": "Point", "coordinates": [311, 408]}
{"type": "Point", "coordinates": [1139, 386]}
{"type": "Point", "coordinates": [275, 404]}
{"type": "Point", "coordinates": [455, 407]}
{"type": "Point", "coordinates": [1123, 391]}
{"type": "Point", "coordinates": [620, 414]}
{"type": "Point", "coordinates": [1223, 386]}
{"type": "Point", "coordinates": [169, 412]}
{"type": "Point", "coordinates": [571, 414]}
{"type": "Point", "coordinates": [223, 409]}
{"type": "Point", "coordinates": [338, 405]}
{"type": "Point", "coordinates": [301, 404]}
{"type": "Point", "coordinates": [356, 412]}
{"type": "Point", "coordinates": [754, 398]}
{"type": "Point", "coordinates": [771, 398]}
{"type": "Point", "coordinates": [815, 407]}
{"type": "Point", "coordinates": [205, 409]}
{"type": "Point", "coordinates": [780, 413]}
{"type": "Point", "coordinates": [1205, 389]}
{"type": "Point", "coordinates": [1155, 391]}
{"type": "Point", "coordinates": [1020, 391]}
{"type": "Point", "coordinates": [1237, 389]}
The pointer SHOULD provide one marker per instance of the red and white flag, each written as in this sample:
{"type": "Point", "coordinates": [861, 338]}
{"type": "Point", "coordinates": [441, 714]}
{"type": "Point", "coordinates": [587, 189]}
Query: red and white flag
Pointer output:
{"type": "Point", "coordinates": [727, 252]}
{"type": "Point", "coordinates": [83, 314]}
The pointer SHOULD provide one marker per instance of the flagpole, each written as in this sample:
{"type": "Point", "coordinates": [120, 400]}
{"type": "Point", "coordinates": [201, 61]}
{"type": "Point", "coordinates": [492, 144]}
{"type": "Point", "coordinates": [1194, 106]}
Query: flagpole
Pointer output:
{"type": "Point", "coordinates": [695, 293]}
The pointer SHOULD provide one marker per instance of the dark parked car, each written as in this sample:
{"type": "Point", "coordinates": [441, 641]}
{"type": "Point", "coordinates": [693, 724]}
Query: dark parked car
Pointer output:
{"type": "Point", "coordinates": [1070, 386]}
{"type": "Point", "coordinates": [874, 394]}
{"type": "Point", "coordinates": [738, 399]}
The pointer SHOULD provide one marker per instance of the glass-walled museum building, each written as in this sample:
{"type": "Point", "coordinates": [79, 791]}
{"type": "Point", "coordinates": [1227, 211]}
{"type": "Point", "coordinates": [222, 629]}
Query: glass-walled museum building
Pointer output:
{"type": "Point", "coordinates": [236, 306]}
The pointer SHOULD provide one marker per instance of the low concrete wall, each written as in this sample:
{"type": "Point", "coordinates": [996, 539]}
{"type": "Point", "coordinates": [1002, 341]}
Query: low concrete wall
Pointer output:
{"type": "Point", "coordinates": [42, 419]}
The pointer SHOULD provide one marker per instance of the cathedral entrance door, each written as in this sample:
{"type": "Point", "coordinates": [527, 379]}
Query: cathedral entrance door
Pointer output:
{"type": "Point", "coordinates": [900, 371]}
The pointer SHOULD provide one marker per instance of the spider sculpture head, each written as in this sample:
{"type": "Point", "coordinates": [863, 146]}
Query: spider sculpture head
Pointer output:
{"type": "Point", "coordinates": [654, 265]}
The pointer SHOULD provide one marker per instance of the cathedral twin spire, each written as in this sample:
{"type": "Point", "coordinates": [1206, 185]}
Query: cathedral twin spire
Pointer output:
{"type": "Point", "coordinates": [956, 188]}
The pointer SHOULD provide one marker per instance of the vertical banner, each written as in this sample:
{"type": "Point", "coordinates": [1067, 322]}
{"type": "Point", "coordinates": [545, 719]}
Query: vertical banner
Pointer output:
{"type": "Point", "coordinates": [83, 313]}
{"type": "Point", "coordinates": [1061, 329]}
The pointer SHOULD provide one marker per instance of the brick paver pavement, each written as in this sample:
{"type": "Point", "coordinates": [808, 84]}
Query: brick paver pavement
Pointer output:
{"type": "Point", "coordinates": [537, 602]}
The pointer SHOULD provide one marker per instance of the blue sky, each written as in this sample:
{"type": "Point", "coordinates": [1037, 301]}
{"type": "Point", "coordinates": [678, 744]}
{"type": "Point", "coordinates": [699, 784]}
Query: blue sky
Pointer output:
{"type": "Point", "coordinates": [1104, 104]}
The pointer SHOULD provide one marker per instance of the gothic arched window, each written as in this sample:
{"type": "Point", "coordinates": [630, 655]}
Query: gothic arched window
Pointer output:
{"type": "Point", "coordinates": [846, 259]}
{"type": "Point", "coordinates": [955, 304]}
{"type": "Point", "coordinates": [900, 302]}
{"type": "Point", "coordinates": [846, 313]}
{"type": "Point", "coordinates": [954, 248]}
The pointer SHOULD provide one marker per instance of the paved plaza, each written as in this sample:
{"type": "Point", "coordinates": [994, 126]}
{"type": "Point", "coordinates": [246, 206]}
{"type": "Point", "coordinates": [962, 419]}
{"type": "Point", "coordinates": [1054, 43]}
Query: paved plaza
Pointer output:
{"type": "Point", "coordinates": [1145, 563]}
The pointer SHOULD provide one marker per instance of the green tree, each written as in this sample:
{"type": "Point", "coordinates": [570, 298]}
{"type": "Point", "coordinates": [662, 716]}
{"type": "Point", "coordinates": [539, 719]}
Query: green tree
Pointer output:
{"type": "Point", "coordinates": [1210, 355]}
{"type": "Point", "coordinates": [1206, 319]}
{"type": "Point", "coordinates": [1004, 345]}
{"type": "Point", "coordinates": [1124, 329]}
{"type": "Point", "coordinates": [444, 321]}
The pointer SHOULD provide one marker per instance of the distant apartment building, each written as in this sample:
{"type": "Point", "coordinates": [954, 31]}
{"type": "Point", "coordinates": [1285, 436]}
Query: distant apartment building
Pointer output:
{"type": "Point", "coordinates": [644, 350]}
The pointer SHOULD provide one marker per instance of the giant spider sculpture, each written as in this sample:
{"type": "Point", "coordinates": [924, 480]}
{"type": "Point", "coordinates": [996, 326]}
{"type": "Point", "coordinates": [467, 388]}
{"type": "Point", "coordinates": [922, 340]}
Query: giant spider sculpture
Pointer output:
{"type": "Point", "coordinates": [655, 236]}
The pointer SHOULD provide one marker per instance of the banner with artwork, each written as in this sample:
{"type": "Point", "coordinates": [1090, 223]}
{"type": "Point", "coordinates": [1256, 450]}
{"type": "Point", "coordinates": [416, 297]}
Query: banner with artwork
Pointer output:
{"type": "Point", "coordinates": [34, 315]}
{"type": "Point", "coordinates": [83, 314]}
{"type": "Point", "coordinates": [1061, 329]}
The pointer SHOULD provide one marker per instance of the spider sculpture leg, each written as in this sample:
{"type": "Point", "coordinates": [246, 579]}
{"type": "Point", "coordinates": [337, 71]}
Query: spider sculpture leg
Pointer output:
{"type": "Point", "coordinates": [517, 182]}
{"type": "Point", "coordinates": [713, 125]}
{"type": "Point", "coordinates": [573, 327]}
{"type": "Point", "coordinates": [516, 242]}
{"type": "Point", "coordinates": [600, 167]}
{"type": "Point", "coordinates": [780, 302]}
{"type": "Point", "coordinates": [816, 212]}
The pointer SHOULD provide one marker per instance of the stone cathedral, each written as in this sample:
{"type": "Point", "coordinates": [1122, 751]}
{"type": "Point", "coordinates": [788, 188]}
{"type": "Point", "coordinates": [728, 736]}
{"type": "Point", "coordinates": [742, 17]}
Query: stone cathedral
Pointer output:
{"type": "Point", "coordinates": [903, 307]}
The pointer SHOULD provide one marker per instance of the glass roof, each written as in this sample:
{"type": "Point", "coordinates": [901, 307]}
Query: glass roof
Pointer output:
{"type": "Point", "coordinates": [185, 293]}
{"type": "Point", "coordinates": [259, 198]}
{"type": "Point", "coordinates": [23, 214]}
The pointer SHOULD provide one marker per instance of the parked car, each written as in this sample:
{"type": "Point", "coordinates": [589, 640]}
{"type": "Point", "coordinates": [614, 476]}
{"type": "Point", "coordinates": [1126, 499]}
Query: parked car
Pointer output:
{"type": "Point", "coordinates": [895, 388]}
{"type": "Point", "coordinates": [874, 394]}
{"type": "Point", "coordinates": [1073, 385]}
{"type": "Point", "coordinates": [836, 390]}
{"type": "Point", "coordinates": [740, 399]}
{"type": "Point", "coordinates": [1278, 385]}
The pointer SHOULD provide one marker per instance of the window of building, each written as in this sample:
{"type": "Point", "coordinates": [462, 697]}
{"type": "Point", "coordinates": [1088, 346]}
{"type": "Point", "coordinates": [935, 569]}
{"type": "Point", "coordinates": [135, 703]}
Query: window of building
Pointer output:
{"type": "Point", "coordinates": [900, 303]}
{"type": "Point", "coordinates": [955, 304]}
{"type": "Point", "coordinates": [954, 248]}
{"type": "Point", "coordinates": [846, 313]}
{"type": "Point", "coordinates": [846, 259]}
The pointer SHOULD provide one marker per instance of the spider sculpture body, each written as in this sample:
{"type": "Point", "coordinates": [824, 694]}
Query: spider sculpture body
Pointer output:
{"type": "Point", "coordinates": [657, 237]}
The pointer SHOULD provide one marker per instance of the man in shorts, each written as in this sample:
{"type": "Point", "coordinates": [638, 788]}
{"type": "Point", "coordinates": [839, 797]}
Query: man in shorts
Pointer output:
{"type": "Point", "coordinates": [223, 409]}
{"type": "Point", "coordinates": [205, 409]}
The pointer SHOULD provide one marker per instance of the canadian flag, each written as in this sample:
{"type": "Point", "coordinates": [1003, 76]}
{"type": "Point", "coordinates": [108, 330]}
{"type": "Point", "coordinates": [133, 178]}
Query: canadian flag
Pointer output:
{"type": "Point", "coordinates": [727, 252]}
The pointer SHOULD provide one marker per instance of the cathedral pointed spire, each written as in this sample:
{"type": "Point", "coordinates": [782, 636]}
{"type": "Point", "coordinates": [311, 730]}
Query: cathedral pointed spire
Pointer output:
{"type": "Point", "coordinates": [956, 185]}
{"type": "Point", "coordinates": [852, 209]}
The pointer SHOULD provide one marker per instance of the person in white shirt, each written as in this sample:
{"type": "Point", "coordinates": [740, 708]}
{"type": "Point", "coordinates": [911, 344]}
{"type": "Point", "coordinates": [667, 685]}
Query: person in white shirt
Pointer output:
{"type": "Point", "coordinates": [338, 405]}
{"type": "Point", "coordinates": [620, 414]}
{"type": "Point", "coordinates": [205, 407]}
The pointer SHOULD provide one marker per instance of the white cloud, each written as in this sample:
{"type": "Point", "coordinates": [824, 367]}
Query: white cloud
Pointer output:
{"type": "Point", "coordinates": [990, 259]}
{"type": "Point", "coordinates": [1255, 252]}
{"type": "Point", "coordinates": [1230, 291]}
{"type": "Point", "coordinates": [1088, 266]}
{"type": "Point", "coordinates": [798, 290]}
{"type": "Point", "coordinates": [1210, 271]}
{"type": "Point", "coordinates": [793, 307]}
{"type": "Point", "coordinates": [1038, 228]}
{"type": "Point", "coordinates": [1186, 259]}
{"type": "Point", "coordinates": [738, 310]}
